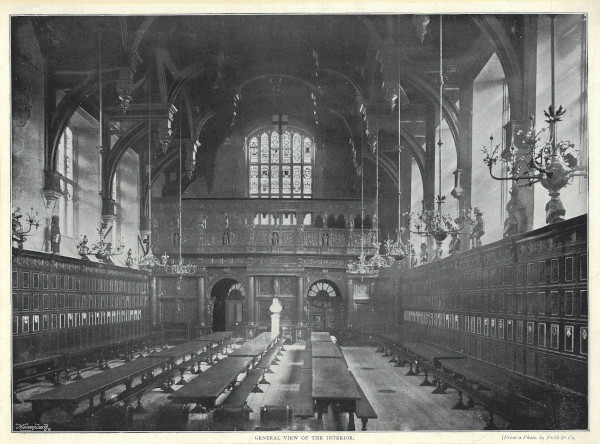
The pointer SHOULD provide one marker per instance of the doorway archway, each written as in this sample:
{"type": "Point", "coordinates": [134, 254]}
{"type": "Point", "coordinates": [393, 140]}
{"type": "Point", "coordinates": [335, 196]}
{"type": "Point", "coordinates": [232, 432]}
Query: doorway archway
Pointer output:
{"type": "Point", "coordinates": [227, 300]}
{"type": "Point", "coordinates": [325, 308]}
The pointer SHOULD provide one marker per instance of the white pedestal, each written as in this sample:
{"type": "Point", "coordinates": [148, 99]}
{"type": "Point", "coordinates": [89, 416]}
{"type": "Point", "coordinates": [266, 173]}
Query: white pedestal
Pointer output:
{"type": "Point", "coordinates": [275, 309]}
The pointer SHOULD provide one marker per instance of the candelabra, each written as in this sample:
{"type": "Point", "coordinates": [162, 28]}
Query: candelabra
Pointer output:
{"type": "Point", "coordinates": [552, 163]}
{"type": "Point", "coordinates": [101, 249]}
{"type": "Point", "coordinates": [19, 233]}
{"type": "Point", "coordinates": [433, 222]}
{"type": "Point", "coordinates": [178, 268]}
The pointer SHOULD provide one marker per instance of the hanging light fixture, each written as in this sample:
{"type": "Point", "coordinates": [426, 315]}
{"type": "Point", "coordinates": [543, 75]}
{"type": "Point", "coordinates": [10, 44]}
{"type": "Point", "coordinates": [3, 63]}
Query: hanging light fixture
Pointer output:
{"type": "Point", "coordinates": [179, 268]}
{"type": "Point", "coordinates": [398, 250]}
{"type": "Point", "coordinates": [552, 163]}
{"type": "Point", "coordinates": [149, 260]}
{"type": "Point", "coordinates": [378, 261]}
{"type": "Point", "coordinates": [434, 222]}
{"type": "Point", "coordinates": [362, 266]}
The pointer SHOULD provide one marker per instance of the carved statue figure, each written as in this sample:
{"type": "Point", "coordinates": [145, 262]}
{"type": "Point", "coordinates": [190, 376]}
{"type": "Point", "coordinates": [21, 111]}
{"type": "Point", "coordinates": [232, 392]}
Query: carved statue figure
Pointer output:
{"type": "Point", "coordinates": [424, 255]}
{"type": "Point", "coordinates": [454, 246]}
{"type": "Point", "coordinates": [325, 239]}
{"type": "Point", "coordinates": [55, 236]}
{"type": "Point", "coordinates": [554, 209]}
{"type": "Point", "coordinates": [129, 260]}
{"type": "Point", "coordinates": [82, 247]}
{"type": "Point", "coordinates": [276, 289]}
{"type": "Point", "coordinates": [516, 222]}
{"type": "Point", "coordinates": [226, 238]}
{"type": "Point", "coordinates": [275, 238]}
{"type": "Point", "coordinates": [414, 261]}
{"type": "Point", "coordinates": [478, 229]}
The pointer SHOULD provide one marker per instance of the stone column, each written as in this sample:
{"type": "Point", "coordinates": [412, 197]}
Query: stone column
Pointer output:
{"type": "Point", "coordinates": [250, 304]}
{"type": "Point", "coordinates": [300, 302]}
{"type": "Point", "coordinates": [350, 304]}
{"type": "Point", "coordinates": [201, 302]}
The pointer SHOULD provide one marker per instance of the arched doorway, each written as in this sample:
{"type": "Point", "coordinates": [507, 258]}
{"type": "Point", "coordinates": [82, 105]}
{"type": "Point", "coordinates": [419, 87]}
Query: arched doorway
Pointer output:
{"type": "Point", "coordinates": [227, 301]}
{"type": "Point", "coordinates": [324, 307]}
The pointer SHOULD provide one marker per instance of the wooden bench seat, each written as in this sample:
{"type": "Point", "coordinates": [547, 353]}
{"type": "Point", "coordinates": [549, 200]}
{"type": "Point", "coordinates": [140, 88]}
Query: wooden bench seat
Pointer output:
{"type": "Point", "coordinates": [71, 395]}
{"type": "Point", "coordinates": [237, 398]}
{"type": "Point", "coordinates": [303, 405]}
{"type": "Point", "coordinates": [267, 359]}
{"type": "Point", "coordinates": [364, 409]}
{"type": "Point", "coordinates": [208, 386]}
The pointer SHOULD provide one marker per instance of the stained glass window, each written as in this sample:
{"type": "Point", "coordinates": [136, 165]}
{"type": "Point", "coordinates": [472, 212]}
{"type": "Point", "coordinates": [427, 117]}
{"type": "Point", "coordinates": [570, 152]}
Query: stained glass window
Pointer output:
{"type": "Point", "coordinates": [280, 165]}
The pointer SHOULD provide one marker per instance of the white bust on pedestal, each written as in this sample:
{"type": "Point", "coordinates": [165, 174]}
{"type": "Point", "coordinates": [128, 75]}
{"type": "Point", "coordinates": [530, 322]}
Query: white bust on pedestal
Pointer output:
{"type": "Point", "coordinates": [275, 310]}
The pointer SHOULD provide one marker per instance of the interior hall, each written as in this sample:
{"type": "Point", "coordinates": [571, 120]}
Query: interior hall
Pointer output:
{"type": "Point", "coordinates": [316, 222]}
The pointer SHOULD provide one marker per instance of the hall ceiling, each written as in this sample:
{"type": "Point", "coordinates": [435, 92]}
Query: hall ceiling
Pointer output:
{"type": "Point", "coordinates": [274, 62]}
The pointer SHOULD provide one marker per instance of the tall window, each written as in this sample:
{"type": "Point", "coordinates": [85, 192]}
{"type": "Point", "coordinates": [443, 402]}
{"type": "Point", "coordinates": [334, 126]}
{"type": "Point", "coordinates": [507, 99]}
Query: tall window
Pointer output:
{"type": "Point", "coordinates": [65, 166]}
{"type": "Point", "coordinates": [281, 166]}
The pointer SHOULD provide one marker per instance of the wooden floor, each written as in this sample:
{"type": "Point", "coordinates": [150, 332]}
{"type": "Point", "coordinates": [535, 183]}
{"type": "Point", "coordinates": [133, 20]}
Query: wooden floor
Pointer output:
{"type": "Point", "coordinates": [410, 406]}
{"type": "Point", "coordinates": [399, 401]}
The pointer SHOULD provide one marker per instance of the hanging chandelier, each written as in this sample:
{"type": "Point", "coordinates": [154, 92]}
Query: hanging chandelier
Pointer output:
{"type": "Point", "coordinates": [363, 266]}
{"type": "Point", "coordinates": [149, 261]}
{"type": "Point", "coordinates": [179, 268]}
{"type": "Point", "coordinates": [378, 261]}
{"type": "Point", "coordinates": [552, 163]}
{"type": "Point", "coordinates": [397, 250]}
{"type": "Point", "coordinates": [434, 222]}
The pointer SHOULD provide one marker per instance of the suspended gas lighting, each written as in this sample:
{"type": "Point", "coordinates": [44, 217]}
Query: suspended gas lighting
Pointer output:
{"type": "Point", "coordinates": [149, 261]}
{"type": "Point", "coordinates": [552, 163]}
{"type": "Point", "coordinates": [397, 250]}
{"type": "Point", "coordinates": [435, 223]}
{"type": "Point", "coordinates": [179, 268]}
{"type": "Point", "coordinates": [362, 266]}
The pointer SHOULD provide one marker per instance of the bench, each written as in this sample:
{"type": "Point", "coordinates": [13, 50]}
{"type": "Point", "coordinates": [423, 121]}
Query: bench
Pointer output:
{"type": "Point", "coordinates": [476, 378]}
{"type": "Point", "coordinates": [234, 411]}
{"type": "Point", "coordinates": [303, 406]}
{"type": "Point", "coordinates": [70, 396]}
{"type": "Point", "coordinates": [208, 386]}
{"type": "Point", "coordinates": [269, 358]}
{"type": "Point", "coordinates": [364, 409]}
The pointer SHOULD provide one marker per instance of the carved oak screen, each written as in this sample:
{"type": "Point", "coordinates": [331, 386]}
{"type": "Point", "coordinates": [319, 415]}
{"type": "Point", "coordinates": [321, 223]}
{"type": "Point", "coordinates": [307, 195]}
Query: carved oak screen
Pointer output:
{"type": "Point", "coordinates": [324, 307]}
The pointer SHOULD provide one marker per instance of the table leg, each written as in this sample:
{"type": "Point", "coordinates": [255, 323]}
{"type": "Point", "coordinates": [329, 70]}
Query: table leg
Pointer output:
{"type": "Point", "coordinates": [364, 423]}
{"type": "Point", "coordinates": [351, 425]}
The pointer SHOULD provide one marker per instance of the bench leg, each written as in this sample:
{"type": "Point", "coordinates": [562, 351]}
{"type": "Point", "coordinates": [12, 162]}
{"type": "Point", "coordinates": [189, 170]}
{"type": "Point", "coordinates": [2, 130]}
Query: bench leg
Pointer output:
{"type": "Point", "coordinates": [364, 423]}
{"type": "Point", "coordinates": [439, 390]}
{"type": "Point", "coordinates": [181, 381]}
{"type": "Point", "coordinates": [417, 370]}
{"type": "Point", "coordinates": [198, 409]}
{"type": "Point", "coordinates": [426, 382]}
{"type": "Point", "coordinates": [351, 425]}
{"type": "Point", "coordinates": [263, 380]}
{"type": "Point", "coordinates": [490, 423]}
{"type": "Point", "coordinates": [55, 378]}
{"type": "Point", "coordinates": [394, 360]}
{"type": "Point", "coordinates": [410, 372]}
{"type": "Point", "coordinates": [470, 403]}
{"type": "Point", "coordinates": [460, 405]}
{"type": "Point", "coordinates": [78, 375]}
{"type": "Point", "coordinates": [102, 398]}
{"type": "Point", "coordinates": [139, 408]}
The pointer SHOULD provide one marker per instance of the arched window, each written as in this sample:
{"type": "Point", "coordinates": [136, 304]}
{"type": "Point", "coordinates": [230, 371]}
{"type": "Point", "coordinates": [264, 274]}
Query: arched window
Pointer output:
{"type": "Point", "coordinates": [281, 166]}
{"type": "Point", "coordinates": [66, 167]}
